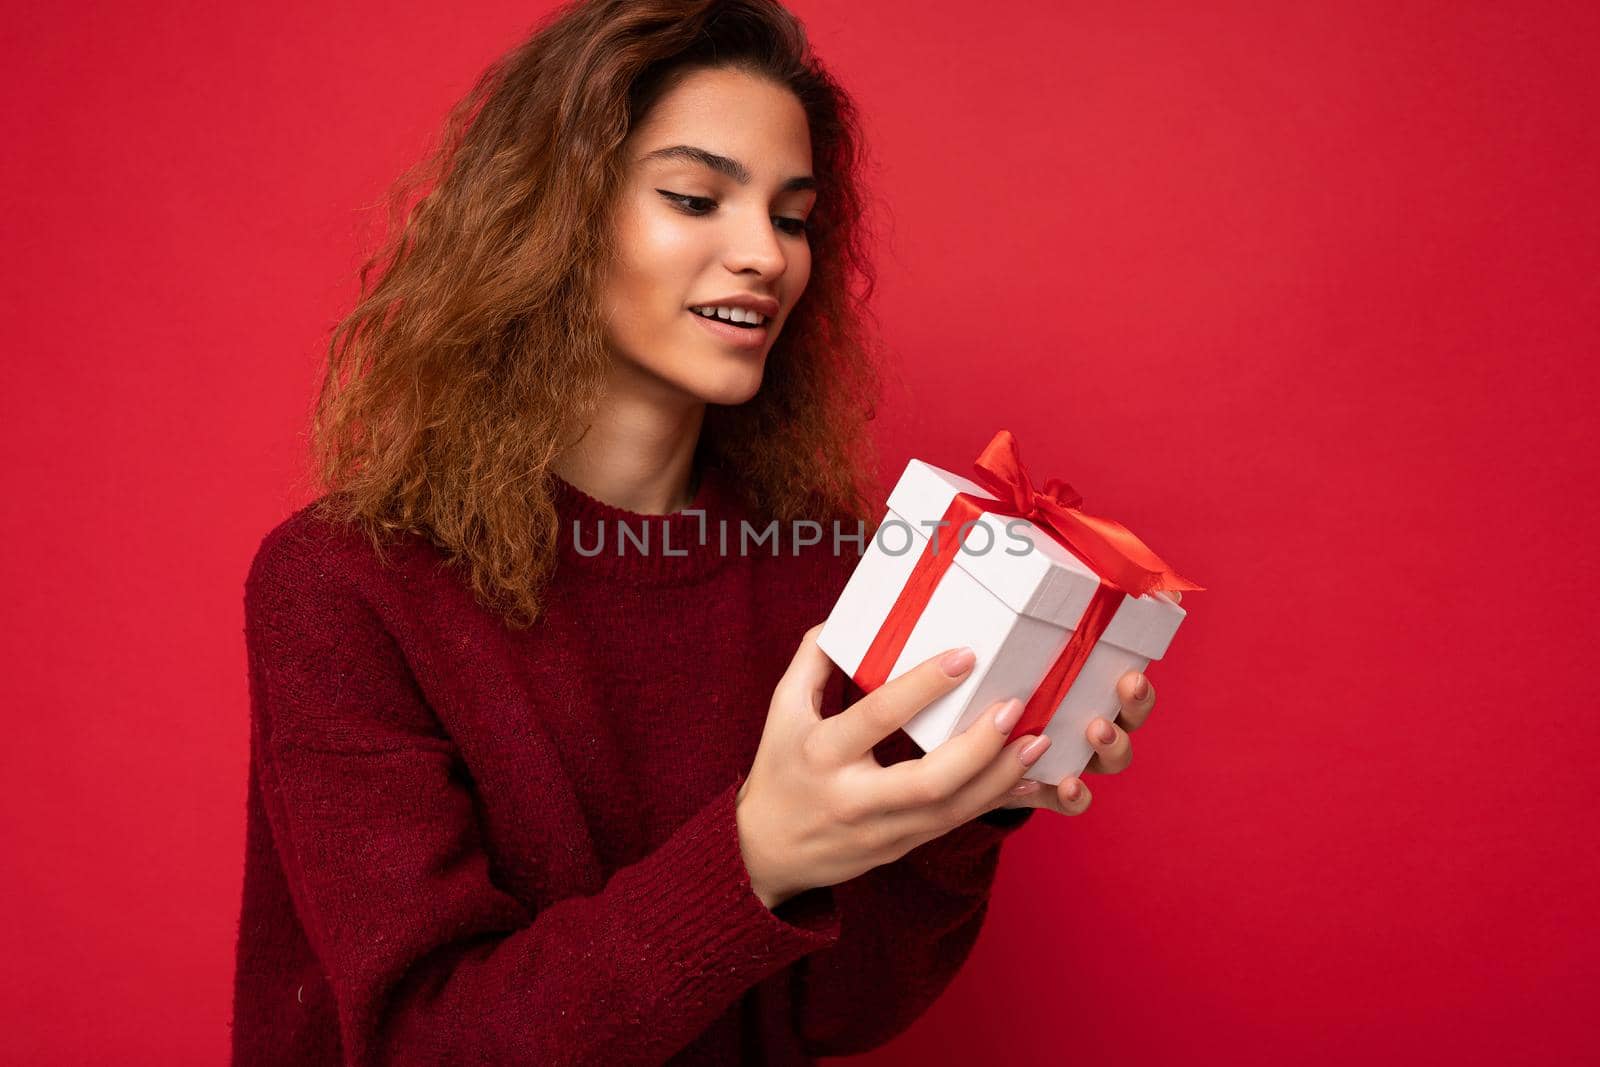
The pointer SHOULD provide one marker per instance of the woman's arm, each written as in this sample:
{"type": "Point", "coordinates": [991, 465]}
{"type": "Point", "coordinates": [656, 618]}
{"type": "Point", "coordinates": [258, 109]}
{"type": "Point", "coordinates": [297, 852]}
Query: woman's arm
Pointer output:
{"type": "Point", "coordinates": [906, 929]}
{"type": "Point", "coordinates": [430, 961]}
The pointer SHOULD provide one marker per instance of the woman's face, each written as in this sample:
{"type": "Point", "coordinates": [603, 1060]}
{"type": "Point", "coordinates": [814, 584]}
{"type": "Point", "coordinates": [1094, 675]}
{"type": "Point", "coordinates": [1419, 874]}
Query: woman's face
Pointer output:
{"type": "Point", "coordinates": [719, 187]}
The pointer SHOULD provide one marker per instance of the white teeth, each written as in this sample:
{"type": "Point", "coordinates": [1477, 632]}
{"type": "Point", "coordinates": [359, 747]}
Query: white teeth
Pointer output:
{"type": "Point", "coordinates": [730, 314]}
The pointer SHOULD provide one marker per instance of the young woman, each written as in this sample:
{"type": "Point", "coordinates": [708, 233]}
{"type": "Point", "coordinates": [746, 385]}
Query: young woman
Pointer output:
{"type": "Point", "coordinates": [514, 799]}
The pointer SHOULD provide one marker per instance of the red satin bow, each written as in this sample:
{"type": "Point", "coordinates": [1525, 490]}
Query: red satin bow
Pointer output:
{"type": "Point", "coordinates": [1123, 563]}
{"type": "Point", "coordinates": [1110, 549]}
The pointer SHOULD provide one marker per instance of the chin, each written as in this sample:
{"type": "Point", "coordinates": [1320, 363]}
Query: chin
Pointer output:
{"type": "Point", "coordinates": [727, 389]}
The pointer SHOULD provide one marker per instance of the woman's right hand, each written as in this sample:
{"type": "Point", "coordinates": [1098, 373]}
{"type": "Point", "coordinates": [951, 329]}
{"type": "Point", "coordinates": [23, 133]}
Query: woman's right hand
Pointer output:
{"type": "Point", "coordinates": [817, 808]}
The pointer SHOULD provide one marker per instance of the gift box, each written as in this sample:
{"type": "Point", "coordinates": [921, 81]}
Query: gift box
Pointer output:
{"type": "Point", "coordinates": [1056, 604]}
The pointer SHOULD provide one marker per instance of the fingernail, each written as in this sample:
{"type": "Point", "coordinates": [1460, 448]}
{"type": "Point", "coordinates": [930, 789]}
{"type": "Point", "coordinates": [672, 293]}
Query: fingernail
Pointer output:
{"type": "Point", "coordinates": [1008, 715]}
{"type": "Point", "coordinates": [1141, 688]}
{"type": "Point", "coordinates": [956, 662]}
{"type": "Point", "coordinates": [1034, 749]}
{"type": "Point", "coordinates": [1073, 789]}
{"type": "Point", "coordinates": [1105, 734]}
{"type": "Point", "coordinates": [1024, 789]}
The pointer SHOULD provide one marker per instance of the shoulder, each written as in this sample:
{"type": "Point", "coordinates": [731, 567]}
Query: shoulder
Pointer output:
{"type": "Point", "coordinates": [329, 658]}
{"type": "Point", "coordinates": [311, 563]}
{"type": "Point", "coordinates": [305, 546]}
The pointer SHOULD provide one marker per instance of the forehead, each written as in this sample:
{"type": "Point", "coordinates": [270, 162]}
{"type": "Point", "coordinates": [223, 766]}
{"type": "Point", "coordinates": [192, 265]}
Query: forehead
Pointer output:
{"type": "Point", "coordinates": [730, 113]}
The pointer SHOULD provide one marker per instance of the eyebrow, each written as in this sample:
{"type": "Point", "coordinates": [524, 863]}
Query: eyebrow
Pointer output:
{"type": "Point", "coordinates": [722, 164]}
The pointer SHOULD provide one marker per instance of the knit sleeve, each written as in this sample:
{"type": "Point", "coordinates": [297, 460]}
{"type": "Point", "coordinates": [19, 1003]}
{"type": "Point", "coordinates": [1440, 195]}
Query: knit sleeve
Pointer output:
{"type": "Point", "coordinates": [906, 929]}
{"type": "Point", "coordinates": [429, 960]}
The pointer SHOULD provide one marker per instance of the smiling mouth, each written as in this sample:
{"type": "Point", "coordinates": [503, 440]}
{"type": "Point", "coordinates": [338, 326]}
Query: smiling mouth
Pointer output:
{"type": "Point", "coordinates": [746, 338]}
{"type": "Point", "coordinates": [707, 313]}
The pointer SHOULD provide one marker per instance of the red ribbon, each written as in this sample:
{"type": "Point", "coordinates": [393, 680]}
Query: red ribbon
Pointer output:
{"type": "Point", "coordinates": [1123, 563]}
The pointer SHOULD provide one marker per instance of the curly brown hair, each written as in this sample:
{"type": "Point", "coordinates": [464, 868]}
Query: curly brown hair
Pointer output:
{"type": "Point", "coordinates": [476, 345]}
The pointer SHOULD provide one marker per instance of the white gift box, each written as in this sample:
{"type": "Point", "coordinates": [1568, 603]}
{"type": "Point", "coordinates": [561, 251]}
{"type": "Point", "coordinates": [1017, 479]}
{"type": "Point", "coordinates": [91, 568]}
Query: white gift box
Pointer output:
{"type": "Point", "coordinates": [1015, 605]}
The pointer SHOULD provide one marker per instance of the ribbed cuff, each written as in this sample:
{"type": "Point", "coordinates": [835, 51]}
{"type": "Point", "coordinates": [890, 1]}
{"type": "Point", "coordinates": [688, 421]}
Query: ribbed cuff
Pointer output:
{"type": "Point", "coordinates": [813, 910]}
{"type": "Point", "coordinates": [700, 912]}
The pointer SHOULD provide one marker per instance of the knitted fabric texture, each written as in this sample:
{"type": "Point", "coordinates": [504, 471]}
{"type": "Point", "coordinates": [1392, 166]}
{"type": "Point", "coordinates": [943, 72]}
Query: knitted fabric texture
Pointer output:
{"type": "Point", "coordinates": [467, 844]}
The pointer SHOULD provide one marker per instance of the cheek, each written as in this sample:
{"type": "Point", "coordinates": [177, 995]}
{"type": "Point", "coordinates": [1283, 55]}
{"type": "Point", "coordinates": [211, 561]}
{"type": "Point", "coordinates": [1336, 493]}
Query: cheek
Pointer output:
{"type": "Point", "coordinates": [660, 253]}
{"type": "Point", "coordinates": [798, 272]}
{"type": "Point", "coordinates": [649, 257]}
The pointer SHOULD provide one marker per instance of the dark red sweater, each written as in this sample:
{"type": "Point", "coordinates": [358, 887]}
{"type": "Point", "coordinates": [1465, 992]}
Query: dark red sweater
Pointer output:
{"type": "Point", "coordinates": [472, 845]}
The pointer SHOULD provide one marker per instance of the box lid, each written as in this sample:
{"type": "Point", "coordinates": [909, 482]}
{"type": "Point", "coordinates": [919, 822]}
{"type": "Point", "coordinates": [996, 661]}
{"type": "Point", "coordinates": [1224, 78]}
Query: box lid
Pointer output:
{"type": "Point", "coordinates": [1022, 565]}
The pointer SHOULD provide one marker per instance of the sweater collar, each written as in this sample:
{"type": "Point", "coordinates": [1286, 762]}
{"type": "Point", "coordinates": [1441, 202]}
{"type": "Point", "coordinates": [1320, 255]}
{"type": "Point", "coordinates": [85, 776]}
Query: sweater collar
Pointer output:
{"type": "Point", "coordinates": [603, 539]}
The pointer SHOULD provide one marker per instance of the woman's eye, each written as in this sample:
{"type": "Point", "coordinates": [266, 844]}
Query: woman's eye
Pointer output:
{"type": "Point", "coordinates": [694, 205]}
{"type": "Point", "coordinates": [700, 205]}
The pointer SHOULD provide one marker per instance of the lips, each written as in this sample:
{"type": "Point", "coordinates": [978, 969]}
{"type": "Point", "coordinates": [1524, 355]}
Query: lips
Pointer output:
{"type": "Point", "coordinates": [736, 322]}
{"type": "Point", "coordinates": [766, 305]}
{"type": "Point", "coordinates": [734, 336]}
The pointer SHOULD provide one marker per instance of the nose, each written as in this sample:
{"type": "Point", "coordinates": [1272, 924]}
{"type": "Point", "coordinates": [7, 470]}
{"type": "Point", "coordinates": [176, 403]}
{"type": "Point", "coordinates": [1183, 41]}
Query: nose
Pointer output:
{"type": "Point", "coordinates": [753, 245]}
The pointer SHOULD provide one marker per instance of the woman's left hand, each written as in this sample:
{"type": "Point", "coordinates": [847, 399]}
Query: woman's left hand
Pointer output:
{"type": "Point", "coordinates": [1113, 748]}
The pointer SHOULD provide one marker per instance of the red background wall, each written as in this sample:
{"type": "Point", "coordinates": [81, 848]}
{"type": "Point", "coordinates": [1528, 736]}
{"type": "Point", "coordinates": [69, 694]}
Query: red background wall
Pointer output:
{"type": "Point", "coordinates": [1304, 294]}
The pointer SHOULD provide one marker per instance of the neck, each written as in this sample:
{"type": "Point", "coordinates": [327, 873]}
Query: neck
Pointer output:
{"type": "Point", "coordinates": [638, 451]}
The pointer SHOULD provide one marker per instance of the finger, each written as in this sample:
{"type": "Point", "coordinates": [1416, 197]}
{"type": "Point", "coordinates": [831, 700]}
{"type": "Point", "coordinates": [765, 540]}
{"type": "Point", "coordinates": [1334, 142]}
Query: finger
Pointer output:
{"type": "Point", "coordinates": [1033, 794]}
{"type": "Point", "coordinates": [1072, 796]}
{"type": "Point", "coordinates": [1113, 748]}
{"type": "Point", "coordinates": [1054, 798]}
{"type": "Point", "coordinates": [967, 759]}
{"type": "Point", "coordinates": [807, 674]}
{"type": "Point", "coordinates": [1004, 774]}
{"type": "Point", "coordinates": [993, 784]}
{"type": "Point", "coordinates": [1135, 708]}
{"type": "Point", "coordinates": [851, 734]}
{"type": "Point", "coordinates": [1025, 794]}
